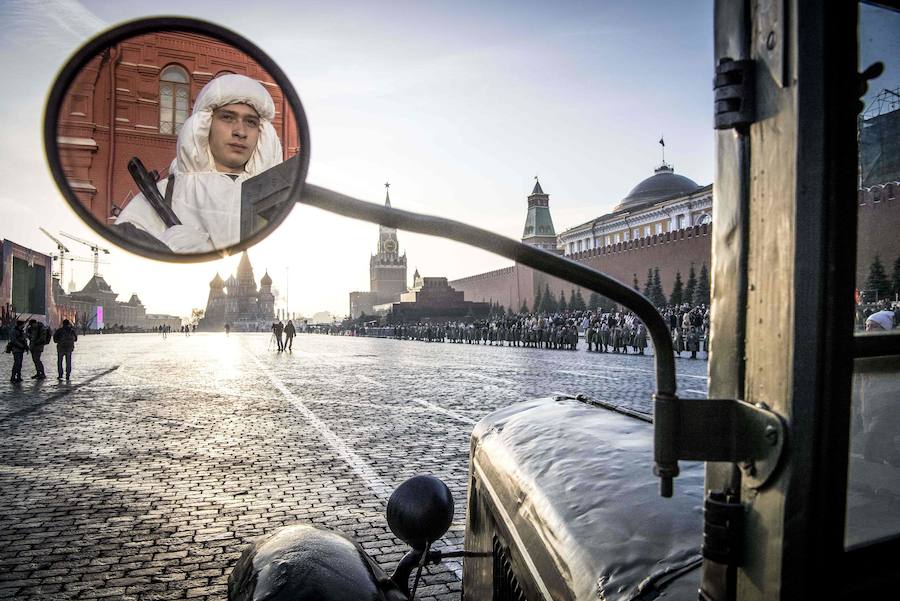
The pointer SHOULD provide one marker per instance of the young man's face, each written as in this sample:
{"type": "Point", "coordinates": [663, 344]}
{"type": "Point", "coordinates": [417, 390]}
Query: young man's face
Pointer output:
{"type": "Point", "coordinates": [233, 136]}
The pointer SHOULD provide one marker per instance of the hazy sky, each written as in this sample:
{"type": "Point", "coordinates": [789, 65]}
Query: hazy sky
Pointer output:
{"type": "Point", "coordinates": [458, 104]}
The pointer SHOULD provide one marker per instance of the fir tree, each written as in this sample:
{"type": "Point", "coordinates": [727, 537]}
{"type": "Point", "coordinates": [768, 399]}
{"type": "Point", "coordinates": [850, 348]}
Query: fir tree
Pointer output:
{"type": "Point", "coordinates": [509, 311]}
{"type": "Point", "coordinates": [636, 287]}
{"type": "Point", "coordinates": [877, 284]}
{"type": "Point", "coordinates": [648, 285]}
{"type": "Point", "coordinates": [677, 291]}
{"type": "Point", "coordinates": [548, 303]}
{"type": "Point", "coordinates": [524, 307]}
{"type": "Point", "coordinates": [593, 301]}
{"type": "Point", "coordinates": [606, 305]}
{"type": "Point", "coordinates": [895, 277]}
{"type": "Point", "coordinates": [578, 304]}
{"type": "Point", "coordinates": [656, 291]}
{"type": "Point", "coordinates": [691, 285]}
{"type": "Point", "coordinates": [701, 292]}
{"type": "Point", "coordinates": [538, 297]}
{"type": "Point", "coordinates": [562, 306]}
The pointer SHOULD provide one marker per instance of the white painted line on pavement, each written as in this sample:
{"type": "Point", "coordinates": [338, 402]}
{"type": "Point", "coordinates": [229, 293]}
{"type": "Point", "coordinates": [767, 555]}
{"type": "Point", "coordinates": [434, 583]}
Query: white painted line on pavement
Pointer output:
{"type": "Point", "coordinates": [369, 380]}
{"type": "Point", "coordinates": [439, 409]}
{"type": "Point", "coordinates": [489, 378]}
{"type": "Point", "coordinates": [365, 471]}
{"type": "Point", "coordinates": [703, 392]}
{"type": "Point", "coordinates": [649, 371]}
{"type": "Point", "coordinates": [587, 375]}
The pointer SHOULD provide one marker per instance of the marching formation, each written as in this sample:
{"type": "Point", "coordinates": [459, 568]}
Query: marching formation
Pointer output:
{"type": "Point", "coordinates": [603, 332]}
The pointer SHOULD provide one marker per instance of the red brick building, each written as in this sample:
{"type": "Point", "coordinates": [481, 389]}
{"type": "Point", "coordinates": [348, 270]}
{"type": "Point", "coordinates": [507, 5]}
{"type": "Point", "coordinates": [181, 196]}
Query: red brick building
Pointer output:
{"type": "Point", "coordinates": [131, 101]}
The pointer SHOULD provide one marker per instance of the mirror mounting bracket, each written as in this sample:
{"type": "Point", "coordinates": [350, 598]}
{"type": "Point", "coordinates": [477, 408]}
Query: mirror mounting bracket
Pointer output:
{"type": "Point", "coordinates": [727, 430]}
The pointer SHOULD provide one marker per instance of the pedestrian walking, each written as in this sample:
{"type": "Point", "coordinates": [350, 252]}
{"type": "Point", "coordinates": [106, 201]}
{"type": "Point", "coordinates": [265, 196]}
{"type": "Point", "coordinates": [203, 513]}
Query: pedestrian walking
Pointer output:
{"type": "Point", "coordinates": [278, 329]}
{"type": "Point", "coordinates": [17, 345]}
{"type": "Point", "coordinates": [38, 336]}
{"type": "Point", "coordinates": [65, 338]}
{"type": "Point", "coordinates": [289, 333]}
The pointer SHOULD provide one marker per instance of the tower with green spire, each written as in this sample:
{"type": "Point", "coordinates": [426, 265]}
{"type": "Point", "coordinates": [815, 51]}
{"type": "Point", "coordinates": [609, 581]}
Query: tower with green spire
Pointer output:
{"type": "Point", "coordinates": [539, 229]}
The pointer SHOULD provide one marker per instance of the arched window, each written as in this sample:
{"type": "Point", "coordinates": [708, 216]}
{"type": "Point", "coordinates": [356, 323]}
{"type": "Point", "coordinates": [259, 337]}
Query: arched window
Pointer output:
{"type": "Point", "coordinates": [174, 99]}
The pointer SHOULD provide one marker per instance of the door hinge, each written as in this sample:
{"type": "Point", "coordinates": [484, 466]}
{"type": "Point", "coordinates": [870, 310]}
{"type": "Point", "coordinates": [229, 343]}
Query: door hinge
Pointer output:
{"type": "Point", "coordinates": [729, 430]}
{"type": "Point", "coordinates": [734, 94]}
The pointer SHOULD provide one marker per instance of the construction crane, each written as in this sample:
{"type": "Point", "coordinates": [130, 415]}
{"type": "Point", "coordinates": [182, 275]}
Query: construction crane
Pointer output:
{"type": "Point", "coordinates": [95, 249]}
{"type": "Point", "coordinates": [71, 258]}
{"type": "Point", "coordinates": [62, 254]}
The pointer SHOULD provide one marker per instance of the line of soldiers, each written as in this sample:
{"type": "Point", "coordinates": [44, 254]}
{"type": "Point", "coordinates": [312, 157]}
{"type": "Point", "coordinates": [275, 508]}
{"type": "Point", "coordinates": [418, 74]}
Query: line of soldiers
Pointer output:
{"type": "Point", "coordinates": [548, 333]}
{"type": "Point", "coordinates": [609, 332]}
{"type": "Point", "coordinates": [603, 332]}
{"type": "Point", "coordinates": [690, 328]}
{"type": "Point", "coordinates": [620, 332]}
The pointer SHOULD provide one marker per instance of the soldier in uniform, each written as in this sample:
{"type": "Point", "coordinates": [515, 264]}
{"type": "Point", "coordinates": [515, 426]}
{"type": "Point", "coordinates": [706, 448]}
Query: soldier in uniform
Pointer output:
{"type": "Point", "coordinates": [640, 337]}
{"type": "Point", "coordinates": [692, 341]}
{"type": "Point", "coordinates": [228, 138]}
{"type": "Point", "coordinates": [618, 334]}
{"type": "Point", "coordinates": [604, 334]}
{"type": "Point", "coordinates": [589, 332]}
{"type": "Point", "coordinates": [678, 341]}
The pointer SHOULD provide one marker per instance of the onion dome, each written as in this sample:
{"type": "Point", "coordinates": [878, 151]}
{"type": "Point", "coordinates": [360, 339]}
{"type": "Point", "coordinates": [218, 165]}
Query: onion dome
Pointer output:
{"type": "Point", "coordinates": [217, 282]}
{"type": "Point", "coordinates": [663, 184]}
{"type": "Point", "coordinates": [266, 280]}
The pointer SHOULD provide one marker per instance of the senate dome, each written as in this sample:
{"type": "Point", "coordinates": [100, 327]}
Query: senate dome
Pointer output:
{"type": "Point", "coordinates": [664, 183]}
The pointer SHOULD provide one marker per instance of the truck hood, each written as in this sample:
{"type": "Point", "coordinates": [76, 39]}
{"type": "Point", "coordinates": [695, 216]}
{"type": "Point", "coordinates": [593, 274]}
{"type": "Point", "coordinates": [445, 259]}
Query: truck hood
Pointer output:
{"type": "Point", "coordinates": [575, 482]}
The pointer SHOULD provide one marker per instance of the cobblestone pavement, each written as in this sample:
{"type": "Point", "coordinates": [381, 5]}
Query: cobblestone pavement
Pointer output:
{"type": "Point", "coordinates": [147, 475]}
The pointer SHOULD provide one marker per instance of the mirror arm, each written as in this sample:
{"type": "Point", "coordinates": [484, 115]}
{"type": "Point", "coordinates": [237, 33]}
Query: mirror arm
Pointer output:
{"type": "Point", "coordinates": [665, 401]}
{"type": "Point", "coordinates": [531, 256]}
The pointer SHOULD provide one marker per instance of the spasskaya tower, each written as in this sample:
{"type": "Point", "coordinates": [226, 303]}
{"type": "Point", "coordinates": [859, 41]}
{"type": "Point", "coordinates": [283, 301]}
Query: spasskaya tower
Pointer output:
{"type": "Point", "coordinates": [387, 267]}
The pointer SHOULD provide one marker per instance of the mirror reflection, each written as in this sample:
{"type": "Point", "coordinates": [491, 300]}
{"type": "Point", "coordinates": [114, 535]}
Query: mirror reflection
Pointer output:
{"type": "Point", "coordinates": [179, 143]}
{"type": "Point", "coordinates": [878, 181]}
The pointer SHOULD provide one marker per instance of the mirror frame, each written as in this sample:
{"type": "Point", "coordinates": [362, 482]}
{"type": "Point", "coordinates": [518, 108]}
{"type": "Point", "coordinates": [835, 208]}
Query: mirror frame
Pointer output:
{"type": "Point", "coordinates": [130, 29]}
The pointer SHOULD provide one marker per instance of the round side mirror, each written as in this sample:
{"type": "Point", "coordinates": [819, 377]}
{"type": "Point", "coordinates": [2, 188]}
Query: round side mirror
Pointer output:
{"type": "Point", "coordinates": [176, 139]}
{"type": "Point", "coordinates": [420, 511]}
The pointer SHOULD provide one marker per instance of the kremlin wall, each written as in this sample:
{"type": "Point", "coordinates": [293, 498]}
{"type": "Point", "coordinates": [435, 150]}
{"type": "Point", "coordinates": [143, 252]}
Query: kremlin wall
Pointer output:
{"type": "Point", "coordinates": [670, 252]}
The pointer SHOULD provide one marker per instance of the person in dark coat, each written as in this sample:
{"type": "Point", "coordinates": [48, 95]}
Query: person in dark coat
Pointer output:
{"type": "Point", "coordinates": [38, 336]}
{"type": "Point", "coordinates": [289, 333]}
{"type": "Point", "coordinates": [278, 329]}
{"type": "Point", "coordinates": [64, 338]}
{"type": "Point", "coordinates": [17, 345]}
